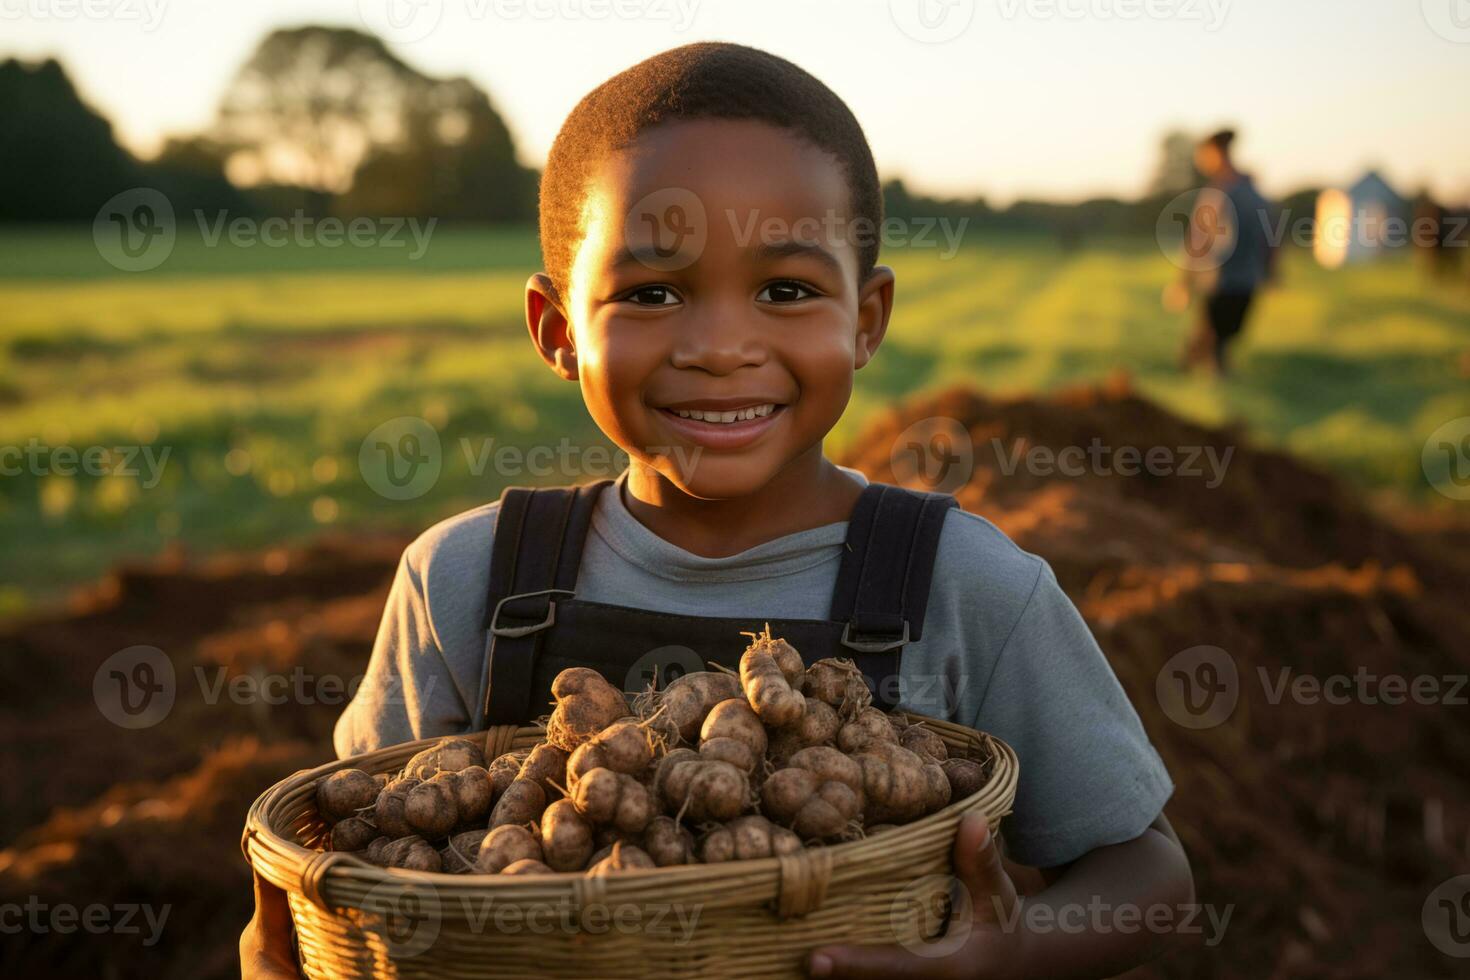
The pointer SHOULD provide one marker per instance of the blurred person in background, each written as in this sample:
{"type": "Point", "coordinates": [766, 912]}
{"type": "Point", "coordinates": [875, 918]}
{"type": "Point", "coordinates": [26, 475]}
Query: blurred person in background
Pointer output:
{"type": "Point", "coordinates": [1229, 240]}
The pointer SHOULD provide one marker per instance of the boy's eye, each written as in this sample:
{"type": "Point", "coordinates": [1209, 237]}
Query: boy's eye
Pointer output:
{"type": "Point", "coordinates": [652, 296]}
{"type": "Point", "coordinates": [785, 291]}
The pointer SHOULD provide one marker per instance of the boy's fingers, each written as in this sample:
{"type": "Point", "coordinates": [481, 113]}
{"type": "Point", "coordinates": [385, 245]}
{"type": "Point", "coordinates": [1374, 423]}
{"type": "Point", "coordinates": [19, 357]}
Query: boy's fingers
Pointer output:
{"type": "Point", "coordinates": [870, 963]}
{"type": "Point", "coordinates": [978, 865]}
{"type": "Point", "coordinates": [272, 913]}
{"type": "Point", "coordinates": [265, 945]}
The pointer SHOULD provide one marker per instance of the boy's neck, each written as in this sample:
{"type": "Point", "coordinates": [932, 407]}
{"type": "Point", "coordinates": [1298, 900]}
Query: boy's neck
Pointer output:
{"type": "Point", "coordinates": [809, 492]}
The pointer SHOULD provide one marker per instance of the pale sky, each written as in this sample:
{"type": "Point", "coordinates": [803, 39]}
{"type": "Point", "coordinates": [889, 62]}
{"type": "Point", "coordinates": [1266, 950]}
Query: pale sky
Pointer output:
{"type": "Point", "coordinates": [1039, 98]}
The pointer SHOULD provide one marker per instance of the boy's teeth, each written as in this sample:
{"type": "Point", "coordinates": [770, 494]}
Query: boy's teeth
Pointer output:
{"type": "Point", "coordinates": [740, 415]}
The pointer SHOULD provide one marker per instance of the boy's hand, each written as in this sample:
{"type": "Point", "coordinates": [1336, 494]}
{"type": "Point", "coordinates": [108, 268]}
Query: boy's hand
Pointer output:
{"type": "Point", "coordinates": [265, 945]}
{"type": "Point", "coordinates": [989, 949]}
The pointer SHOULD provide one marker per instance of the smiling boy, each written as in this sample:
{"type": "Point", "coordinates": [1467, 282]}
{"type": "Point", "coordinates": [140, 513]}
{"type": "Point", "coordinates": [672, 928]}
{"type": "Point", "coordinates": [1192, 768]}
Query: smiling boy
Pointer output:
{"type": "Point", "coordinates": [719, 361]}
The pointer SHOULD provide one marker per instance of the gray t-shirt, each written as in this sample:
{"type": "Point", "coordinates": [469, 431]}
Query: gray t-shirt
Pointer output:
{"type": "Point", "coordinates": [1004, 650]}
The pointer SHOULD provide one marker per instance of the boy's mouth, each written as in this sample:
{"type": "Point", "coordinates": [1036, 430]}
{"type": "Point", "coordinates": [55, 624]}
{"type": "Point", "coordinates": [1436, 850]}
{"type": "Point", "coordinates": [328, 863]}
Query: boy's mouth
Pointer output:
{"type": "Point", "coordinates": [722, 423]}
{"type": "Point", "coordinates": [726, 417]}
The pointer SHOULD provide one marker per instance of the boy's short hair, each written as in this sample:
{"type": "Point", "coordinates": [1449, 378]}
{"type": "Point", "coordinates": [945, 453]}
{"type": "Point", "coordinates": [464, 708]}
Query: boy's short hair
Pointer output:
{"type": "Point", "coordinates": [706, 80]}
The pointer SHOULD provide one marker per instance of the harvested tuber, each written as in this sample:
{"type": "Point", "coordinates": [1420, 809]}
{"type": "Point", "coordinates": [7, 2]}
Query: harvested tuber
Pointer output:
{"type": "Point", "coordinates": [771, 675]}
{"type": "Point", "coordinates": [585, 704]}
{"type": "Point", "coordinates": [866, 726]}
{"type": "Point", "coordinates": [839, 683]}
{"type": "Point", "coordinates": [607, 797]}
{"type": "Point", "coordinates": [706, 789]}
{"type": "Point", "coordinates": [352, 834]}
{"type": "Point", "coordinates": [546, 765]}
{"type": "Point", "coordinates": [430, 807]}
{"type": "Point", "coordinates": [812, 807]}
{"type": "Point", "coordinates": [818, 726]}
{"type": "Point", "coordinates": [623, 747]}
{"type": "Point", "coordinates": [450, 755]}
{"type": "Point", "coordinates": [682, 707]}
{"type": "Point", "coordinates": [747, 839]}
{"type": "Point", "coordinates": [733, 733]}
{"type": "Point", "coordinates": [923, 742]}
{"type": "Point", "coordinates": [460, 851]}
{"type": "Point", "coordinates": [566, 837]}
{"type": "Point", "coordinates": [504, 846]}
{"type": "Point", "coordinates": [343, 794]}
{"type": "Point", "coordinates": [522, 802]}
{"type": "Point", "coordinates": [527, 866]}
{"type": "Point", "coordinates": [622, 857]}
{"type": "Point", "coordinates": [668, 842]}
{"type": "Point", "coordinates": [388, 812]}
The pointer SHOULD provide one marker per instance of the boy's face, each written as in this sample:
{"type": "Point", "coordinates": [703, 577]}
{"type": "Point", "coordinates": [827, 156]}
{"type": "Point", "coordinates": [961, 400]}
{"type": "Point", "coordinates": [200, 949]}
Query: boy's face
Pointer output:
{"type": "Point", "coordinates": [718, 273]}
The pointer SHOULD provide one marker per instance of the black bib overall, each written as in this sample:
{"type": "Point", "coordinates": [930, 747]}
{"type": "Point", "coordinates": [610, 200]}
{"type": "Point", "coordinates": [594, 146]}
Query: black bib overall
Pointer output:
{"type": "Point", "coordinates": [536, 626]}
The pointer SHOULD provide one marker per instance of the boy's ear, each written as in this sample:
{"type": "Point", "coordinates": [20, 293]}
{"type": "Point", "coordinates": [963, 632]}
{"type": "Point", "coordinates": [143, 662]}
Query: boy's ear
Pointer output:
{"type": "Point", "coordinates": [551, 332]}
{"type": "Point", "coordinates": [875, 304]}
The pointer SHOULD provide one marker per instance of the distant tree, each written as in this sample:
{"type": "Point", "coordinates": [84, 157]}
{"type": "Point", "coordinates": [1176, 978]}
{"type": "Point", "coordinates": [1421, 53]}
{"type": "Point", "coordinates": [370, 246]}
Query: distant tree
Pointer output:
{"type": "Point", "coordinates": [1175, 171]}
{"type": "Point", "coordinates": [190, 171]}
{"type": "Point", "coordinates": [58, 158]}
{"type": "Point", "coordinates": [333, 110]}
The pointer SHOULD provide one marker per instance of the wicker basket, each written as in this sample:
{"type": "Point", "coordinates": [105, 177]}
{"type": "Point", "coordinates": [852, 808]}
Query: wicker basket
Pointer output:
{"type": "Point", "coordinates": [747, 918]}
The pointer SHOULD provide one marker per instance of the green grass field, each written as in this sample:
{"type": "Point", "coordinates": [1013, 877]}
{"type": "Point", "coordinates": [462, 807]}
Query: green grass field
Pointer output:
{"type": "Point", "coordinates": [262, 370]}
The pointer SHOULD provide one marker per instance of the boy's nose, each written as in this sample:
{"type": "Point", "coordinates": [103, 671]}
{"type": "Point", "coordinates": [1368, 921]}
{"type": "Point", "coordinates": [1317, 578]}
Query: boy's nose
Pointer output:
{"type": "Point", "coordinates": [719, 345]}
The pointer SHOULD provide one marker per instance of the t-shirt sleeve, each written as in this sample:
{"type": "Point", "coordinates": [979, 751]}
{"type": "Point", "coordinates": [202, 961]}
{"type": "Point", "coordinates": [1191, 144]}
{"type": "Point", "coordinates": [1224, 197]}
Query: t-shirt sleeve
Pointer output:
{"type": "Point", "coordinates": [407, 692]}
{"type": "Point", "coordinates": [1089, 775]}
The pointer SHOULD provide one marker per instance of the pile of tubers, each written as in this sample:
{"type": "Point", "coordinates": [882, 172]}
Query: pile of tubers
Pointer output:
{"type": "Point", "coordinates": [715, 767]}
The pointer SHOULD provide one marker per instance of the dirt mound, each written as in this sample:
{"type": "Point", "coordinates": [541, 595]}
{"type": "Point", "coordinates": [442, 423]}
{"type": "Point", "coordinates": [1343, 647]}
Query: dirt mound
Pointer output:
{"type": "Point", "coordinates": [1324, 825]}
{"type": "Point", "coordinates": [158, 859]}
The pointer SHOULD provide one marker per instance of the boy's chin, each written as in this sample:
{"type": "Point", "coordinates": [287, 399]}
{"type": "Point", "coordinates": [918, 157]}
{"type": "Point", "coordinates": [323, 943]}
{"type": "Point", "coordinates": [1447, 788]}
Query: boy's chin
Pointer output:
{"type": "Point", "coordinates": [709, 476]}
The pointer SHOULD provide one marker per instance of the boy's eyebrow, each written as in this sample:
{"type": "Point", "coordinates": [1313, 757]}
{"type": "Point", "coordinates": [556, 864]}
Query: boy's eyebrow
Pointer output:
{"type": "Point", "coordinates": [779, 250]}
{"type": "Point", "coordinates": [650, 256]}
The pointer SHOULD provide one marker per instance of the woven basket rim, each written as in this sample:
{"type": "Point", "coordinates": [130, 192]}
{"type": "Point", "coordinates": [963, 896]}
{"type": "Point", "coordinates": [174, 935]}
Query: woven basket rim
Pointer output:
{"type": "Point", "coordinates": [284, 862]}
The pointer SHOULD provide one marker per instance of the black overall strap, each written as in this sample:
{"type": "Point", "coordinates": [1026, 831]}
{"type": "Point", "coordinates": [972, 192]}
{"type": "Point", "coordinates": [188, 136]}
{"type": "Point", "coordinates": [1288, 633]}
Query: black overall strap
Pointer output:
{"type": "Point", "coordinates": [883, 583]}
{"type": "Point", "coordinates": [526, 577]}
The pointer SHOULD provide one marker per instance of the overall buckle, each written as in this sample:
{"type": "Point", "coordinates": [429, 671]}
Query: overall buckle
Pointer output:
{"type": "Point", "coordinates": [873, 646]}
{"type": "Point", "coordinates": [514, 631]}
